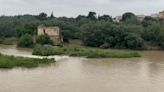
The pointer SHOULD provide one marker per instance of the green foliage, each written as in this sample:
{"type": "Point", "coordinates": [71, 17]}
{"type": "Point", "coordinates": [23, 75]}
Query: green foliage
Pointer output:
{"type": "Point", "coordinates": [130, 19]}
{"type": "Point", "coordinates": [127, 16]}
{"type": "Point", "coordinates": [74, 50]}
{"type": "Point", "coordinates": [52, 15]}
{"type": "Point", "coordinates": [134, 41]}
{"type": "Point", "coordinates": [106, 35]}
{"type": "Point", "coordinates": [100, 32]}
{"type": "Point", "coordinates": [46, 50]}
{"type": "Point", "coordinates": [148, 21]}
{"type": "Point", "coordinates": [7, 28]}
{"type": "Point", "coordinates": [9, 62]}
{"type": "Point", "coordinates": [105, 18]}
{"type": "Point", "coordinates": [1, 40]}
{"type": "Point", "coordinates": [27, 29]}
{"type": "Point", "coordinates": [113, 54]}
{"type": "Point", "coordinates": [161, 37]}
{"type": "Point", "coordinates": [43, 39]}
{"type": "Point", "coordinates": [66, 35]}
{"type": "Point", "coordinates": [25, 41]}
{"type": "Point", "coordinates": [42, 16]}
{"type": "Point", "coordinates": [152, 34]}
{"type": "Point", "coordinates": [92, 16]}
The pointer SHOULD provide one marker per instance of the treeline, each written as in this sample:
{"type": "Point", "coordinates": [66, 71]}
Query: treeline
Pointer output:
{"type": "Point", "coordinates": [94, 31]}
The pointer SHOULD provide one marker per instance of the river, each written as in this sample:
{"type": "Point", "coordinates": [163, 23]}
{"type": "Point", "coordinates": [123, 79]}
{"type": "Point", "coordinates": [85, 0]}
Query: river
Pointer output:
{"type": "Point", "coordinates": [73, 74]}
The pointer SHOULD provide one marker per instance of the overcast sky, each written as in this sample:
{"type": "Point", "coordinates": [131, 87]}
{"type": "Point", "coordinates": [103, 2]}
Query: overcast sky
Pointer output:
{"type": "Point", "coordinates": [74, 7]}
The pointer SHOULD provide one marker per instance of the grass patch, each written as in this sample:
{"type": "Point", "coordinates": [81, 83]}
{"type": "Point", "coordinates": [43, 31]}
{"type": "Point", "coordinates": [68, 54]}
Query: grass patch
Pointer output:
{"type": "Point", "coordinates": [74, 50]}
{"type": "Point", "coordinates": [11, 62]}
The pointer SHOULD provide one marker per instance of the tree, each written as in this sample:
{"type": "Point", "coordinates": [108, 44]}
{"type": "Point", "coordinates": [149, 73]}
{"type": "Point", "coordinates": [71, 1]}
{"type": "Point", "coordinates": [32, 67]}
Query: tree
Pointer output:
{"type": "Point", "coordinates": [25, 41]}
{"type": "Point", "coordinates": [92, 16]}
{"type": "Point", "coordinates": [162, 40]}
{"type": "Point", "coordinates": [44, 39]}
{"type": "Point", "coordinates": [151, 34]}
{"type": "Point", "coordinates": [80, 17]}
{"type": "Point", "coordinates": [127, 16]}
{"type": "Point", "coordinates": [134, 41]}
{"type": "Point", "coordinates": [7, 28]}
{"type": "Point", "coordinates": [52, 15]}
{"type": "Point", "coordinates": [42, 16]}
{"type": "Point", "coordinates": [148, 21]}
{"type": "Point", "coordinates": [81, 20]}
{"type": "Point", "coordinates": [27, 29]}
{"type": "Point", "coordinates": [93, 31]}
{"type": "Point", "coordinates": [67, 35]}
{"type": "Point", "coordinates": [105, 18]}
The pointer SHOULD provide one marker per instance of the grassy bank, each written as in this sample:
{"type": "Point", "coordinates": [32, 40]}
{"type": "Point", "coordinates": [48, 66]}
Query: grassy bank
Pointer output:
{"type": "Point", "coordinates": [11, 62]}
{"type": "Point", "coordinates": [73, 50]}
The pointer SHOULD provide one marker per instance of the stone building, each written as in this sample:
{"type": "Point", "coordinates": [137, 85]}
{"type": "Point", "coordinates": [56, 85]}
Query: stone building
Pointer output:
{"type": "Point", "coordinates": [117, 19]}
{"type": "Point", "coordinates": [53, 32]}
{"type": "Point", "coordinates": [140, 17]}
{"type": "Point", "coordinates": [161, 15]}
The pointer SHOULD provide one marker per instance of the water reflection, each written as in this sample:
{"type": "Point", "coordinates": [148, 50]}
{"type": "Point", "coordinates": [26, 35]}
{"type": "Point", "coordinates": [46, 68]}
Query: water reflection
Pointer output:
{"type": "Point", "coordinates": [70, 74]}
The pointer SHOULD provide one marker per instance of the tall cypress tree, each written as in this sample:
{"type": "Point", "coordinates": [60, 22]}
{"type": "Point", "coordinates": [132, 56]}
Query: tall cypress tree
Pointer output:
{"type": "Point", "coordinates": [52, 15]}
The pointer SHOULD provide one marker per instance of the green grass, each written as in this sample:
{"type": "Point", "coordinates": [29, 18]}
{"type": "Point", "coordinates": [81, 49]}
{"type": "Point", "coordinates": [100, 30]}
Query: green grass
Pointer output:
{"type": "Point", "coordinates": [11, 62]}
{"type": "Point", "coordinates": [74, 50]}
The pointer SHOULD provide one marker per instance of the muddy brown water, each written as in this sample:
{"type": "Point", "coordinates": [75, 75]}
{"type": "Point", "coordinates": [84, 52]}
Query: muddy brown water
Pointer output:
{"type": "Point", "coordinates": [73, 74]}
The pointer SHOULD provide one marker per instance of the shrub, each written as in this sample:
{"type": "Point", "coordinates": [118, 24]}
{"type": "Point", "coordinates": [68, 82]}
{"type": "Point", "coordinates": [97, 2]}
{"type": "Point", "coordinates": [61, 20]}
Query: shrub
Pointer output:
{"type": "Point", "coordinates": [44, 39]}
{"type": "Point", "coordinates": [73, 50]}
{"type": "Point", "coordinates": [46, 50]}
{"type": "Point", "coordinates": [25, 41]}
{"type": "Point", "coordinates": [134, 41]}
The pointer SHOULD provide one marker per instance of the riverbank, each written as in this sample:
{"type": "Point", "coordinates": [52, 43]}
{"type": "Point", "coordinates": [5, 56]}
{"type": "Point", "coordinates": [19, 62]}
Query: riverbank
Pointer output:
{"type": "Point", "coordinates": [11, 62]}
{"type": "Point", "coordinates": [74, 50]}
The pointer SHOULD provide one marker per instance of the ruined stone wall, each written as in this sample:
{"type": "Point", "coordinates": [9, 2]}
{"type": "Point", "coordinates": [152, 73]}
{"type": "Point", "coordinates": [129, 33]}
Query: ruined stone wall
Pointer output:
{"type": "Point", "coordinates": [161, 15]}
{"type": "Point", "coordinates": [52, 32]}
{"type": "Point", "coordinates": [41, 30]}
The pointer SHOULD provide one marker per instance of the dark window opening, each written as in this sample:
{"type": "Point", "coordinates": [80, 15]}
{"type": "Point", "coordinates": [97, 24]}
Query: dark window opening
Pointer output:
{"type": "Point", "coordinates": [44, 31]}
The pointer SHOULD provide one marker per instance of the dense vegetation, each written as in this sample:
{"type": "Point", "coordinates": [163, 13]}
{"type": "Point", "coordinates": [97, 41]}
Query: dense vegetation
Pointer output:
{"type": "Point", "coordinates": [43, 39]}
{"type": "Point", "coordinates": [25, 41]}
{"type": "Point", "coordinates": [93, 30]}
{"type": "Point", "coordinates": [11, 62]}
{"type": "Point", "coordinates": [74, 50]}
